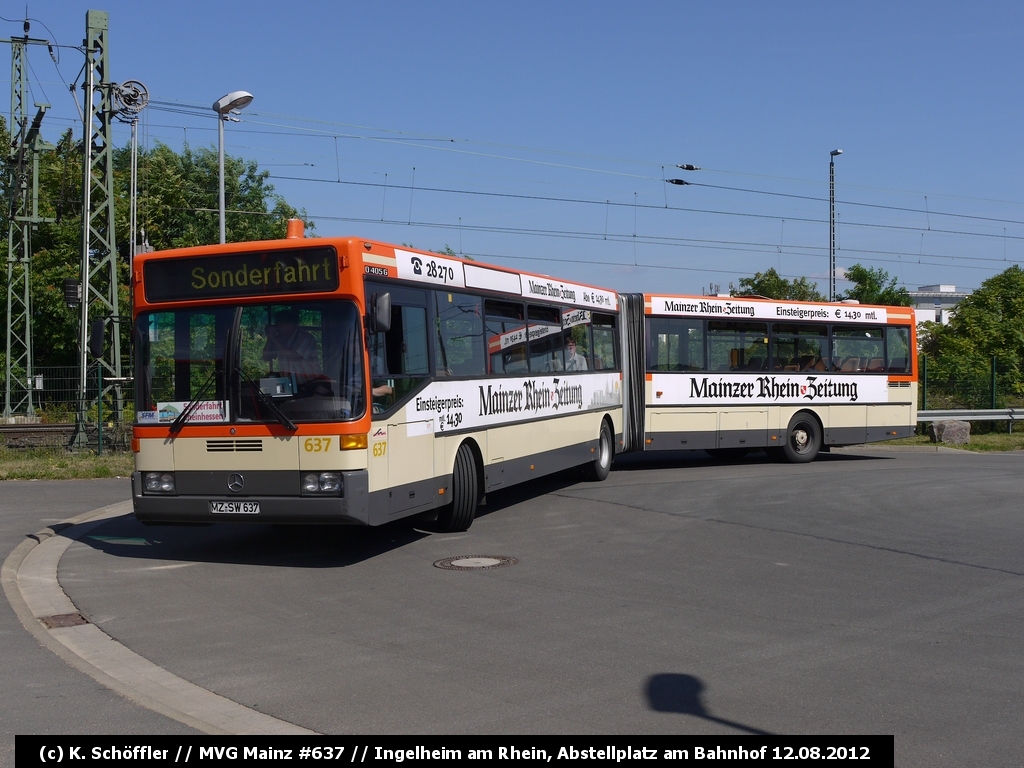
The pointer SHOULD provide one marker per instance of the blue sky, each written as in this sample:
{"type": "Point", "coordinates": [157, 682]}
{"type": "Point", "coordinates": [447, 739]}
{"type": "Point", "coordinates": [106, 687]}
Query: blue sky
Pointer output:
{"type": "Point", "coordinates": [540, 132]}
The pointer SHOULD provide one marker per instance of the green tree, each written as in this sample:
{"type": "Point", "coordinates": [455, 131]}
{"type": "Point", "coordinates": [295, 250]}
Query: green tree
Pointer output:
{"type": "Point", "coordinates": [874, 286]}
{"type": "Point", "coordinates": [178, 199]}
{"type": "Point", "coordinates": [771, 285]}
{"type": "Point", "coordinates": [988, 323]}
{"type": "Point", "coordinates": [177, 207]}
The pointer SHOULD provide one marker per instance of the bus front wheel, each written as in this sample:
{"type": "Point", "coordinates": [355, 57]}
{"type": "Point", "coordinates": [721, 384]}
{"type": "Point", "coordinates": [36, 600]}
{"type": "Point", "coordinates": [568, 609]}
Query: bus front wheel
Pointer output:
{"type": "Point", "coordinates": [803, 439]}
{"type": "Point", "coordinates": [599, 468]}
{"type": "Point", "coordinates": [459, 513]}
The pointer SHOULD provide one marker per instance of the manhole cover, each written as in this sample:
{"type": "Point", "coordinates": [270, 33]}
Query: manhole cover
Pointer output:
{"type": "Point", "coordinates": [63, 620]}
{"type": "Point", "coordinates": [474, 562]}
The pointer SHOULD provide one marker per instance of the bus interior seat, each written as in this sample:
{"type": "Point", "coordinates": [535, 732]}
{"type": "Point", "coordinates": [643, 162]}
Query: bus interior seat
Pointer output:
{"type": "Point", "coordinates": [875, 365]}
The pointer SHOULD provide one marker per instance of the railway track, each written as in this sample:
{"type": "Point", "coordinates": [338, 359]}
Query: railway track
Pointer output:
{"type": "Point", "coordinates": [57, 436]}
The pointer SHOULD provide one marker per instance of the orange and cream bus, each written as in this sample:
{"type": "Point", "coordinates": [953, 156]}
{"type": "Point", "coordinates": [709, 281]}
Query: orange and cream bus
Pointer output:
{"type": "Point", "coordinates": [351, 381]}
{"type": "Point", "coordinates": [729, 375]}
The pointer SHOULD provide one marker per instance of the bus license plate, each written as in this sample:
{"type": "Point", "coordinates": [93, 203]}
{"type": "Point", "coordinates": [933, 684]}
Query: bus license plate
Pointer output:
{"type": "Point", "coordinates": [235, 507]}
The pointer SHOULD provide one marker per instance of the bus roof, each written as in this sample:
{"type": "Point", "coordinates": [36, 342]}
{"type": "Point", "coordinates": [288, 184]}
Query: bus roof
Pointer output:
{"type": "Point", "coordinates": [750, 308]}
{"type": "Point", "coordinates": [440, 270]}
{"type": "Point", "coordinates": [375, 259]}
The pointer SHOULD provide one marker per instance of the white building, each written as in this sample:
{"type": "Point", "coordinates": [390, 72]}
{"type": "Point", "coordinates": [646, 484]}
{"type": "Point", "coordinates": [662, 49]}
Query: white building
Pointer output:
{"type": "Point", "coordinates": [936, 303]}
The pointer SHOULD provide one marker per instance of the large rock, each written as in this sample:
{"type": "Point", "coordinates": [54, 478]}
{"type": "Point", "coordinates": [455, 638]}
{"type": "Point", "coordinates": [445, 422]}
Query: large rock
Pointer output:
{"type": "Point", "coordinates": [952, 432]}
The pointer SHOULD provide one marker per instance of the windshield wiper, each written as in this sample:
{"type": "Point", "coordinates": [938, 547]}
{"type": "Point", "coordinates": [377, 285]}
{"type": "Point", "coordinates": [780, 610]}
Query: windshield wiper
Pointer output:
{"type": "Point", "coordinates": [265, 399]}
{"type": "Point", "coordinates": [191, 405]}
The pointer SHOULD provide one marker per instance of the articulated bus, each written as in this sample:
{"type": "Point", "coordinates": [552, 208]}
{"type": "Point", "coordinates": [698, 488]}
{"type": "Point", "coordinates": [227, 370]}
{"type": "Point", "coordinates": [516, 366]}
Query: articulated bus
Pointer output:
{"type": "Point", "coordinates": [729, 375]}
{"type": "Point", "coordinates": [349, 381]}
{"type": "Point", "coordinates": [352, 382]}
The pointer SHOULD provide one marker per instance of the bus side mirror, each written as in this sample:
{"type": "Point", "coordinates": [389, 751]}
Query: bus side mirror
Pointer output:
{"type": "Point", "coordinates": [96, 332]}
{"type": "Point", "coordinates": [380, 312]}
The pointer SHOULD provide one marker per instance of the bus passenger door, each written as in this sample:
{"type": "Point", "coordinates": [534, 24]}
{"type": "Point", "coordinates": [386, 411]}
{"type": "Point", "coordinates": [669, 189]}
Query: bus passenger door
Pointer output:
{"type": "Point", "coordinates": [410, 466]}
{"type": "Point", "coordinates": [398, 366]}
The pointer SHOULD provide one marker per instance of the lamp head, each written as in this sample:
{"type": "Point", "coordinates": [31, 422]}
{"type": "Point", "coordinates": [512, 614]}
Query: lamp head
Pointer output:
{"type": "Point", "coordinates": [835, 152]}
{"type": "Point", "coordinates": [234, 100]}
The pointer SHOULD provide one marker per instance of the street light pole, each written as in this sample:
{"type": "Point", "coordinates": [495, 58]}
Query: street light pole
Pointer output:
{"type": "Point", "coordinates": [832, 223]}
{"type": "Point", "coordinates": [220, 177]}
{"type": "Point", "coordinates": [224, 107]}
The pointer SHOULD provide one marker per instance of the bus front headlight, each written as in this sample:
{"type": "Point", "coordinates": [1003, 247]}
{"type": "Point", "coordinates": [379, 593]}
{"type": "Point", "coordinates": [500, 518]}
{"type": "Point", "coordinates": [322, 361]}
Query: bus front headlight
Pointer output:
{"type": "Point", "coordinates": [327, 483]}
{"type": "Point", "coordinates": [158, 482]}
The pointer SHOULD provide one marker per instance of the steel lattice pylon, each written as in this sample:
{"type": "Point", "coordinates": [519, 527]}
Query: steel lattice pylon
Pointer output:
{"type": "Point", "coordinates": [99, 251]}
{"type": "Point", "coordinates": [23, 217]}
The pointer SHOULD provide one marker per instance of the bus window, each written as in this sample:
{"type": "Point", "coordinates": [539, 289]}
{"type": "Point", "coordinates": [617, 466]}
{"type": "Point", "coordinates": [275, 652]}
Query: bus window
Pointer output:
{"type": "Point", "coordinates": [506, 336]}
{"type": "Point", "coordinates": [897, 349]}
{"type": "Point", "coordinates": [858, 349]}
{"type": "Point", "coordinates": [459, 335]}
{"type": "Point", "coordinates": [179, 352]}
{"type": "Point", "coordinates": [576, 335]}
{"type": "Point", "coordinates": [398, 358]}
{"type": "Point", "coordinates": [675, 344]}
{"type": "Point", "coordinates": [545, 339]}
{"type": "Point", "coordinates": [305, 356]}
{"type": "Point", "coordinates": [799, 347]}
{"type": "Point", "coordinates": [737, 346]}
{"type": "Point", "coordinates": [603, 331]}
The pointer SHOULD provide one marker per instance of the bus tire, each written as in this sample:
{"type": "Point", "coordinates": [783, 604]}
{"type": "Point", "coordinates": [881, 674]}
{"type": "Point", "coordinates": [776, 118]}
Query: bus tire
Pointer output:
{"type": "Point", "coordinates": [459, 513]}
{"type": "Point", "coordinates": [803, 438]}
{"type": "Point", "coordinates": [599, 468]}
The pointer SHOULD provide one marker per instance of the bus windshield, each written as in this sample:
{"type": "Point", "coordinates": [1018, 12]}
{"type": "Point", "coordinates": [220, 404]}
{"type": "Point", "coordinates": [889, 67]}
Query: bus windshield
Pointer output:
{"type": "Point", "coordinates": [250, 363]}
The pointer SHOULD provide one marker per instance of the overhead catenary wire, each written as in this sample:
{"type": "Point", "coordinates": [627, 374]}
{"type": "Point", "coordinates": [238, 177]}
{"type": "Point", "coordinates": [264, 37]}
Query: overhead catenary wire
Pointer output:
{"type": "Point", "coordinates": [191, 110]}
{"type": "Point", "coordinates": [197, 110]}
{"type": "Point", "coordinates": [298, 131]}
{"type": "Point", "coordinates": [625, 238]}
{"type": "Point", "coordinates": [635, 204]}
{"type": "Point", "coordinates": [411, 139]}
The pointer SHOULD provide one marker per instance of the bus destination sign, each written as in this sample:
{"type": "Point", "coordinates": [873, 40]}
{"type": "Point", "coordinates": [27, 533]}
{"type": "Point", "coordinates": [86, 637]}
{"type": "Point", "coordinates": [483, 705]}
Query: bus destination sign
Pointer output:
{"type": "Point", "coordinates": [258, 273]}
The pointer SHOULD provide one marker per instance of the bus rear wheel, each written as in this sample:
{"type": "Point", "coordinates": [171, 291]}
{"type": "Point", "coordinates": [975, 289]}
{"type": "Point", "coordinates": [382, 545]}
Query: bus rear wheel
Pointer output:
{"type": "Point", "coordinates": [459, 513]}
{"type": "Point", "coordinates": [803, 439]}
{"type": "Point", "coordinates": [599, 468]}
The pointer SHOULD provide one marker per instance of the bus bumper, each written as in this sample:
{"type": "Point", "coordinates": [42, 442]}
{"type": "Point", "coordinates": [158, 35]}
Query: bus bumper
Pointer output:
{"type": "Point", "coordinates": [351, 508]}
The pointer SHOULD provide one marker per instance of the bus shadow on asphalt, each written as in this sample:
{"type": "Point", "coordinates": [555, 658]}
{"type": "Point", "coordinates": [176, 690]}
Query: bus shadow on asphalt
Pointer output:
{"type": "Point", "coordinates": [294, 546]}
{"type": "Point", "coordinates": [503, 498]}
{"type": "Point", "coordinates": [681, 694]}
{"type": "Point", "coordinates": [632, 462]}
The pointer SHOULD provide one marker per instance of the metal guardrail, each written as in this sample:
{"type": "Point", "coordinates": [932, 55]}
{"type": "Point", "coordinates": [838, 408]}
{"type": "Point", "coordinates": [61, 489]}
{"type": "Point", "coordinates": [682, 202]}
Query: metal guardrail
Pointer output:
{"type": "Point", "coordinates": [997, 414]}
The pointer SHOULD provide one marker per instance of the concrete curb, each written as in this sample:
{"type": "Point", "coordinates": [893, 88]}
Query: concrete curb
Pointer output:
{"type": "Point", "coordinates": [29, 577]}
{"type": "Point", "coordinates": [901, 448]}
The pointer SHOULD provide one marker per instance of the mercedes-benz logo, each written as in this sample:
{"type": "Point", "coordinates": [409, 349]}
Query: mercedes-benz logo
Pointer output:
{"type": "Point", "coordinates": [235, 482]}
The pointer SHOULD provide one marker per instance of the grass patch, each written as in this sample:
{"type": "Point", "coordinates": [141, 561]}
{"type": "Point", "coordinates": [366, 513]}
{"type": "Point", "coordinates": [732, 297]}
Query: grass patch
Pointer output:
{"type": "Point", "coordinates": [44, 464]}
{"type": "Point", "coordinates": [993, 441]}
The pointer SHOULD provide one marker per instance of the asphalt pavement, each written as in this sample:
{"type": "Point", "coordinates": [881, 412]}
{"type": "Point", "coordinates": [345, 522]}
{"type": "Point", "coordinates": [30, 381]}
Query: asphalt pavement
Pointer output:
{"type": "Point", "coordinates": [41, 693]}
{"type": "Point", "coordinates": [873, 591]}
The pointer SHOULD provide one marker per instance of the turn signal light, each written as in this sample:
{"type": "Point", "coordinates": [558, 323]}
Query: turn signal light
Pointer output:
{"type": "Point", "coordinates": [352, 442]}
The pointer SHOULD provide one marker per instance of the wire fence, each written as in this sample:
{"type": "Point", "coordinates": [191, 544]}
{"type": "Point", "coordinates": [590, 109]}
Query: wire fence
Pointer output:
{"type": "Point", "coordinates": [54, 391]}
{"type": "Point", "coordinates": [991, 389]}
